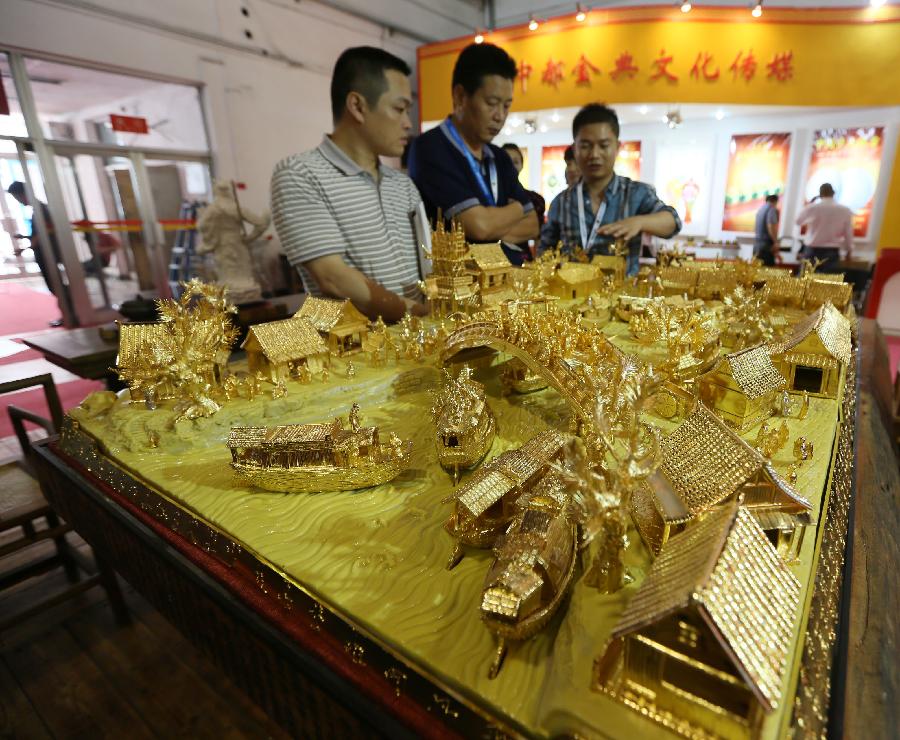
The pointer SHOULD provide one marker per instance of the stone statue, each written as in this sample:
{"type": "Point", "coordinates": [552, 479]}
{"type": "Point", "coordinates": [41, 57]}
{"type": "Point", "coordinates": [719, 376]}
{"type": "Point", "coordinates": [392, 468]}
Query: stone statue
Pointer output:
{"type": "Point", "coordinates": [221, 227]}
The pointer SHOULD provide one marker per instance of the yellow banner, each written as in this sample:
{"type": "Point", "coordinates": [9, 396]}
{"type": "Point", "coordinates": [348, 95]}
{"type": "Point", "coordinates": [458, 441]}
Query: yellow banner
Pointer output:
{"type": "Point", "coordinates": [845, 57]}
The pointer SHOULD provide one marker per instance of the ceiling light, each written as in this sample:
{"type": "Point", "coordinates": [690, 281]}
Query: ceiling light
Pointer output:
{"type": "Point", "coordinates": [532, 23]}
{"type": "Point", "coordinates": [720, 114]}
{"type": "Point", "coordinates": [757, 10]}
{"type": "Point", "coordinates": [876, 3]}
{"type": "Point", "coordinates": [543, 129]}
{"type": "Point", "coordinates": [673, 119]}
{"type": "Point", "coordinates": [530, 125]}
{"type": "Point", "coordinates": [507, 131]}
{"type": "Point", "coordinates": [479, 37]}
{"type": "Point", "coordinates": [686, 7]}
{"type": "Point", "coordinates": [643, 110]}
{"type": "Point", "coordinates": [515, 122]}
{"type": "Point", "coordinates": [580, 15]}
{"type": "Point", "coordinates": [555, 117]}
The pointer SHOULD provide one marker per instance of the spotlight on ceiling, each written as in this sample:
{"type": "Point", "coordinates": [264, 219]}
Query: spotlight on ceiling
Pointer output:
{"type": "Point", "coordinates": [644, 110]}
{"type": "Point", "coordinates": [580, 15]}
{"type": "Point", "coordinates": [757, 10]}
{"type": "Point", "coordinates": [479, 37]}
{"type": "Point", "coordinates": [530, 125]}
{"type": "Point", "coordinates": [673, 119]}
{"type": "Point", "coordinates": [720, 114]}
{"type": "Point", "coordinates": [532, 23]}
{"type": "Point", "coordinates": [876, 3]}
{"type": "Point", "coordinates": [555, 117]}
{"type": "Point", "coordinates": [686, 7]}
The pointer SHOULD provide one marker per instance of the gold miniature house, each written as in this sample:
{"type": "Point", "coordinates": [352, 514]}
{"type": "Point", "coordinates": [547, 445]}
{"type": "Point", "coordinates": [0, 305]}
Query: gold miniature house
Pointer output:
{"type": "Point", "coordinates": [610, 264]}
{"type": "Point", "coordinates": [278, 349]}
{"type": "Point", "coordinates": [784, 290]}
{"type": "Point", "coordinates": [342, 326]}
{"type": "Point", "coordinates": [678, 280]}
{"type": "Point", "coordinates": [819, 291]}
{"type": "Point", "coordinates": [716, 282]}
{"type": "Point", "coordinates": [146, 349]}
{"type": "Point", "coordinates": [705, 465]}
{"type": "Point", "coordinates": [575, 280]}
{"type": "Point", "coordinates": [814, 358]}
{"type": "Point", "coordinates": [742, 387]}
{"type": "Point", "coordinates": [493, 272]}
{"type": "Point", "coordinates": [703, 645]}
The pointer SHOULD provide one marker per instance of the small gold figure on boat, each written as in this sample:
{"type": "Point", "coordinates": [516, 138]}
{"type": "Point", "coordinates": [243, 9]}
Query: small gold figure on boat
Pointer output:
{"type": "Point", "coordinates": [465, 423]}
{"type": "Point", "coordinates": [306, 458]}
{"type": "Point", "coordinates": [803, 450]}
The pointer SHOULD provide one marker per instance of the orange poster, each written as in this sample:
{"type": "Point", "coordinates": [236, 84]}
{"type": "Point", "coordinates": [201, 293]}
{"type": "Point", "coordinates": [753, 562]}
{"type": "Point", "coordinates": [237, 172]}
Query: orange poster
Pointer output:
{"type": "Point", "coordinates": [757, 167]}
{"type": "Point", "coordinates": [628, 163]}
{"type": "Point", "coordinates": [849, 159]}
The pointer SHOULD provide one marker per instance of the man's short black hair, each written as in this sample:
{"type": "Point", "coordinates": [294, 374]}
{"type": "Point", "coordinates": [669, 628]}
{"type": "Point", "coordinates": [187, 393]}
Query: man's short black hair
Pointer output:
{"type": "Point", "coordinates": [477, 61]}
{"type": "Point", "coordinates": [362, 69]}
{"type": "Point", "coordinates": [510, 147]}
{"type": "Point", "coordinates": [595, 113]}
{"type": "Point", "coordinates": [773, 198]}
{"type": "Point", "coordinates": [16, 188]}
{"type": "Point", "coordinates": [825, 190]}
{"type": "Point", "coordinates": [569, 154]}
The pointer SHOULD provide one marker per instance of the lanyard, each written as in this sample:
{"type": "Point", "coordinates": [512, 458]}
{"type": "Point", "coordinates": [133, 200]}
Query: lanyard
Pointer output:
{"type": "Point", "coordinates": [586, 240]}
{"type": "Point", "coordinates": [489, 195]}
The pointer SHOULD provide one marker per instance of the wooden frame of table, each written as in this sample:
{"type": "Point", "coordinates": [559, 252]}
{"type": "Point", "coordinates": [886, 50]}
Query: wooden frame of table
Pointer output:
{"type": "Point", "coordinates": [318, 677]}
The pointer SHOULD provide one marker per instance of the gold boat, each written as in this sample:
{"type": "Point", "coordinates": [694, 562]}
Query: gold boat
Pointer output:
{"type": "Point", "coordinates": [517, 376]}
{"type": "Point", "coordinates": [533, 568]}
{"type": "Point", "coordinates": [310, 458]}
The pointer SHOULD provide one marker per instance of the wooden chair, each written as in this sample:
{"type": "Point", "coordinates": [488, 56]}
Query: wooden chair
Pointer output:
{"type": "Point", "coordinates": [36, 522]}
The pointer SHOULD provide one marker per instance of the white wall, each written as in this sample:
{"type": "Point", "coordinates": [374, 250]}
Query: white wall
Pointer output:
{"type": "Point", "coordinates": [717, 136]}
{"type": "Point", "coordinates": [264, 97]}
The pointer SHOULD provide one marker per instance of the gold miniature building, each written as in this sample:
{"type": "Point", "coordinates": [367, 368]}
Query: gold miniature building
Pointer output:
{"type": "Point", "coordinates": [741, 388]}
{"type": "Point", "coordinates": [300, 458]}
{"type": "Point", "coordinates": [815, 357]}
{"type": "Point", "coordinates": [678, 280]}
{"type": "Point", "coordinates": [819, 291]}
{"type": "Point", "coordinates": [575, 280]}
{"type": "Point", "coordinates": [278, 349]}
{"type": "Point", "coordinates": [532, 569]}
{"type": "Point", "coordinates": [342, 326]}
{"type": "Point", "coordinates": [703, 645]}
{"type": "Point", "coordinates": [492, 270]}
{"type": "Point", "coordinates": [715, 283]}
{"type": "Point", "coordinates": [706, 465]}
{"type": "Point", "coordinates": [610, 264]}
{"type": "Point", "coordinates": [784, 290]}
{"type": "Point", "coordinates": [145, 349]}
{"type": "Point", "coordinates": [485, 504]}
{"type": "Point", "coordinates": [451, 287]}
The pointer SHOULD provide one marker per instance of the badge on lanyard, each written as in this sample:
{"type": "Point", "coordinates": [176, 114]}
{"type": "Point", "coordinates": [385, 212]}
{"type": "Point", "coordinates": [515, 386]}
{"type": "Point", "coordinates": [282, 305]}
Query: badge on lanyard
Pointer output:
{"type": "Point", "coordinates": [490, 195]}
{"type": "Point", "coordinates": [586, 239]}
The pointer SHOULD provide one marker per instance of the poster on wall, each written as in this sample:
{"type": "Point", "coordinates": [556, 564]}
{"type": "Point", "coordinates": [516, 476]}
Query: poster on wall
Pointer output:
{"type": "Point", "coordinates": [684, 180]}
{"type": "Point", "coordinates": [553, 167]}
{"type": "Point", "coordinates": [850, 160]}
{"type": "Point", "coordinates": [757, 167]}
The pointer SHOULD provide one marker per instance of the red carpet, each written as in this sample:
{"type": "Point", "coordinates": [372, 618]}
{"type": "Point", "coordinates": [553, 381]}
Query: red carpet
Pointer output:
{"type": "Point", "coordinates": [23, 310]}
{"type": "Point", "coordinates": [24, 356]}
{"type": "Point", "coordinates": [70, 395]}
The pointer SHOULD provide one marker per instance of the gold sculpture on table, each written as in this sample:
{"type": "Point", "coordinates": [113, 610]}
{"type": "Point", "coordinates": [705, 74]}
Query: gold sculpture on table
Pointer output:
{"type": "Point", "coordinates": [532, 569]}
{"type": "Point", "coordinates": [308, 458]}
{"type": "Point", "coordinates": [464, 423]}
{"type": "Point", "coordinates": [485, 504]}
{"type": "Point", "coordinates": [703, 646]}
{"type": "Point", "coordinates": [184, 355]}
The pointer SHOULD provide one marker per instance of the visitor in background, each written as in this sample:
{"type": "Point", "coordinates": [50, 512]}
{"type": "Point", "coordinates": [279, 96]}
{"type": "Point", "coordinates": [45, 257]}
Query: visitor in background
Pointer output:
{"type": "Point", "coordinates": [572, 173]}
{"type": "Point", "coordinates": [347, 222]}
{"type": "Point", "coordinates": [765, 243]}
{"type": "Point", "coordinates": [604, 206]}
{"type": "Point", "coordinates": [458, 170]}
{"type": "Point", "coordinates": [537, 200]}
{"type": "Point", "coordinates": [17, 191]}
{"type": "Point", "coordinates": [829, 226]}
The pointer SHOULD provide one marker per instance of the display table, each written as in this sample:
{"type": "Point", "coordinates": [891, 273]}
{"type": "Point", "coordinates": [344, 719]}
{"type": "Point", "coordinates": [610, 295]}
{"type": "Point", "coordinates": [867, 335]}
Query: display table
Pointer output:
{"type": "Point", "coordinates": [335, 612]}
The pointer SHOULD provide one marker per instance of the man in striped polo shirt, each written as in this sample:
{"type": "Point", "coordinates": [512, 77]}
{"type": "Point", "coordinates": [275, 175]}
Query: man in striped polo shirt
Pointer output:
{"type": "Point", "coordinates": [347, 222]}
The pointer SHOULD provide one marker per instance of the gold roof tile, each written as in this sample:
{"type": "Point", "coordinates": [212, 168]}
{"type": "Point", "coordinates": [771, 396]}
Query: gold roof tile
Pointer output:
{"type": "Point", "coordinates": [137, 340]}
{"type": "Point", "coordinates": [489, 256]}
{"type": "Point", "coordinates": [485, 489]}
{"type": "Point", "coordinates": [577, 272]}
{"type": "Point", "coordinates": [327, 313]}
{"type": "Point", "coordinates": [288, 339]}
{"type": "Point", "coordinates": [832, 328]}
{"type": "Point", "coordinates": [725, 567]}
{"type": "Point", "coordinates": [753, 370]}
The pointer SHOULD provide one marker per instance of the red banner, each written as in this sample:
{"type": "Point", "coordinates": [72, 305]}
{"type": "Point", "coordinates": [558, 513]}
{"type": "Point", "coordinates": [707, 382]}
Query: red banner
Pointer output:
{"type": "Point", "coordinates": [4, 103]}
{"type": "Point", "coordinates": [129, 124]}
{"type": "Point", "coordinates": [849, 159]}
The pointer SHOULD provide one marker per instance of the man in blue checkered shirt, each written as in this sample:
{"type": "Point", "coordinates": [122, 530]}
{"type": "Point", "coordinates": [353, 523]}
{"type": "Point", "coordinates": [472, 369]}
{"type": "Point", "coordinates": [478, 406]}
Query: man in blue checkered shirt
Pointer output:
{"type": "Point", "coordinates": [604, 206]}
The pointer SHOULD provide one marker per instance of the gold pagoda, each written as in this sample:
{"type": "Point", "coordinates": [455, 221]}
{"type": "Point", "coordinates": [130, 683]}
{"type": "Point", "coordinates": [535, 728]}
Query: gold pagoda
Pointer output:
{"type": "Point", "coordinates": [339, 322]}
{"type": "Point", "coordinates": [703, 646]}
{"type": "Point", "coordinates": [705, 465]}
{"type": "Point", "coordinates": [451, 287]}
{"type": "Point", "coordinates": [279, 349]}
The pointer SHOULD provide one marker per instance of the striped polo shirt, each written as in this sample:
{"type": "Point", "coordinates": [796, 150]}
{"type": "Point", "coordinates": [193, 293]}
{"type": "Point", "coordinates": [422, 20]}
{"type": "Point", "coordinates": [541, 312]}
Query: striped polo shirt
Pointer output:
{"type": "Point", "coordinates": [324, 203]}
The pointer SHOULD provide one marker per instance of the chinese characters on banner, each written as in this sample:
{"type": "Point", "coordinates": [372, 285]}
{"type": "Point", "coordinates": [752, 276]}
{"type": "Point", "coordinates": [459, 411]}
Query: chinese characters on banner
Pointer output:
{"type": "Point", "coordinates": [745, 67]}
{"type": "Point", "coordinates": [553, 167]}
{"type": "Point", "coordinates": [849, 159]}
{"type": "Point", "coordinates": [757, 167]}
{"type": "Point", "coordinates": [129, 124]}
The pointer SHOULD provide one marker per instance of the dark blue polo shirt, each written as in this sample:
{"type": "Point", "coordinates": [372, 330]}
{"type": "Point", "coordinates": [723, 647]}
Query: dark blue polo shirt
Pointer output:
{"type": "Point", "coordinates": [445, 179]}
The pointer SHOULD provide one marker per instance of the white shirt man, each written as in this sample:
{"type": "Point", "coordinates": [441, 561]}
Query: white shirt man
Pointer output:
{"type": "Point", "coordinates": [829, 226]}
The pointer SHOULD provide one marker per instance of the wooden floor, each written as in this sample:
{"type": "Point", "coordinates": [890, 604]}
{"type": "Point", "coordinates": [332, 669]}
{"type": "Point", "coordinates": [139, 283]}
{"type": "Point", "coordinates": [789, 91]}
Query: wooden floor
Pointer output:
{"type": "Point", "coordinates": [72, 672]}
